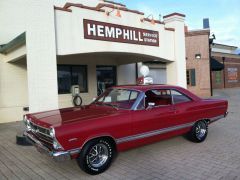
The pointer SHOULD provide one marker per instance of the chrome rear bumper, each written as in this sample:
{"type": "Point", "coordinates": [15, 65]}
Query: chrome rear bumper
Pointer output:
{"type": "Point", "coordinates": [57, 156]}
{"type": "Point", "coordinates": [218, 117]}
{"type": "Point", "coordinates": [226, 113]}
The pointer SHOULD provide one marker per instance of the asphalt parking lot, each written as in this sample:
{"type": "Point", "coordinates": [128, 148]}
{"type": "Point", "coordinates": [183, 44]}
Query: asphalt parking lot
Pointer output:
{"type": "Point", "coordinates": [177, 158]}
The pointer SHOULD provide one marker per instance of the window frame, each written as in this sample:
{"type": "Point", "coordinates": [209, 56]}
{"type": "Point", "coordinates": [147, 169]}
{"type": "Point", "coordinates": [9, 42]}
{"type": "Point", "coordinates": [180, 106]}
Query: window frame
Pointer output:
{"type": "Point", "coordinates": [134, 105]}
{"type": "Point", "coordinates": [188, 74]}
{"type": "Point", "coordinates": [189, 77]}
{"type": "Point", "coordinates": [172, 100]}
{"type": "Point", "coordinates": [159, 106]}
{"type": "Point", "coordinates": [173, 103]}
{"type": "Point", "coordinates": [71, 76]}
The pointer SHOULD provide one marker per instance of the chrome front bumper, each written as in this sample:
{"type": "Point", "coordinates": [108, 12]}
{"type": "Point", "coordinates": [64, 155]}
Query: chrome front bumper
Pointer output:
{"type": "Point", "coordinates": [57, 156]}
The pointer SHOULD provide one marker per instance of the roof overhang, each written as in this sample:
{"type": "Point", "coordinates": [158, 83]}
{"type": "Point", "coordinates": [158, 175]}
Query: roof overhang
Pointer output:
{"type": "Point", "coordinates": [216, 65]}
{"type": "Point", "coordinates": [113, 57]}
{"type": "Point", "coordinates": [226, 55]}
{"type": "Point", "coordinates": [13, 44]}
{"type": "Point", "coordinates": [14, 49]}
{"type": "Point", "coordinates": [224, 46]}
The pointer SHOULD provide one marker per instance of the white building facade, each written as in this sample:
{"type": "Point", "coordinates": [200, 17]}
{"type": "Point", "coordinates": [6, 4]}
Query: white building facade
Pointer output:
{"type": "Point", "coordinates": [45, 49]}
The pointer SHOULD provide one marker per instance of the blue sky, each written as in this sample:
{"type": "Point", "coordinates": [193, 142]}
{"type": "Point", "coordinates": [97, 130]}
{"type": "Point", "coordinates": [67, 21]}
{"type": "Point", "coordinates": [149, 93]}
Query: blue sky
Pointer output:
{"type": "Point", "coordinates": [224, 15]}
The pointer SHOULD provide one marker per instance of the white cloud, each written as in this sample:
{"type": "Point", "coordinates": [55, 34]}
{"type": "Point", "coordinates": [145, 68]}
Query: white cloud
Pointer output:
{"type": "Point", "coordinates": [147, 10]}
{"type": "Point", "coordinates": [227, 29]}
{"type": "Point", "coordinates": [225, 26]}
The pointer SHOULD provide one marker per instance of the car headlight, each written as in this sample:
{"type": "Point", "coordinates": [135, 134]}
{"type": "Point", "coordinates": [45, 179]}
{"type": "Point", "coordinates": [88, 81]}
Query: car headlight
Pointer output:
{"type": "Point", "coordinates": [27, 123]}
{"type": "Point", "coordinates": [25, 119]}
{"type": "Point", "coordinates": [56, 144]}
{"type": "Point", "coordinates": [52, 132]}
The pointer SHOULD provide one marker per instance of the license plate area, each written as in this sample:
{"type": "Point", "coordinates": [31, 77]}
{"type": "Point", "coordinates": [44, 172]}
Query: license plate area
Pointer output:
{"type": "Point", "coordinates": [41, 149]}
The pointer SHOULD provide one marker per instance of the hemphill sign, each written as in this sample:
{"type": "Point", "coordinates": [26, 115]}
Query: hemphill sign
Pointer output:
{"type": "Point", "coordinates": [117, 33]}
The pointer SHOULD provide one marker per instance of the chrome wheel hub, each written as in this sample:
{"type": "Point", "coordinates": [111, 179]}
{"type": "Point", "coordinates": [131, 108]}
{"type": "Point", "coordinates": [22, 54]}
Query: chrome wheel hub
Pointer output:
{"type": "Point", "coordinates": [98, 155]}
{"type": "Point", "coordinates": [201, 130]}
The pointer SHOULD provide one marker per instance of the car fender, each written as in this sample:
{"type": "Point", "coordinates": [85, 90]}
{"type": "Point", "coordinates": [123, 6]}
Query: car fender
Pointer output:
{"type": "Point", "coordinates": [98, 136]}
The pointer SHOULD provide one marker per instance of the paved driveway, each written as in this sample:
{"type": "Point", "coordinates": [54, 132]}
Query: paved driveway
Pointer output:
{"type": "Point", "coordinates": [177, 158]}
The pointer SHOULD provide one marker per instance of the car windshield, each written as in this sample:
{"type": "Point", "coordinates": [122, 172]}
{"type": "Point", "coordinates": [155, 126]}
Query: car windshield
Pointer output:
{"type": "Point", "coordinates": [118, 98]}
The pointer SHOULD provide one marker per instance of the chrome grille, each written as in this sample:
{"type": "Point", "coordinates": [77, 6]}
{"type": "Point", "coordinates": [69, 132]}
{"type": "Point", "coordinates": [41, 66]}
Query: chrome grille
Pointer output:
{"type": "Point", "coordinates": [43, 134]}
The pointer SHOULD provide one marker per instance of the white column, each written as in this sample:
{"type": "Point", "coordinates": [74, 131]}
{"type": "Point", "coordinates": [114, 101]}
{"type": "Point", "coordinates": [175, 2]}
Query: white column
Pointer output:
{"type": "Point", "coordinates": [176, 71]}
{"type": "Point", "coordinates": [41, 56]}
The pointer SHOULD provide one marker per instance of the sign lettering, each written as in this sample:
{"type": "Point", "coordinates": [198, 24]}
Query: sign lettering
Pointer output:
{"type": "Point", "coordinates": [96, 30]}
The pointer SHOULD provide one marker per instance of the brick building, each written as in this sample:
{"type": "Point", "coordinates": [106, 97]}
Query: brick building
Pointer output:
{"type": "Point", "coordinates": [198, 62]}
{"type": "Point", "coordinates": [229, 75]}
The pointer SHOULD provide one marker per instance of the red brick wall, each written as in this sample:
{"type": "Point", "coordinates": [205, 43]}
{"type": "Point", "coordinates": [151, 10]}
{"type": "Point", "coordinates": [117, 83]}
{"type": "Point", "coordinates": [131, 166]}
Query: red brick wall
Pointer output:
{"type": "Point", "coordinates": [229, 63]}
{"type": "Point", "coordinates": [198, 43]}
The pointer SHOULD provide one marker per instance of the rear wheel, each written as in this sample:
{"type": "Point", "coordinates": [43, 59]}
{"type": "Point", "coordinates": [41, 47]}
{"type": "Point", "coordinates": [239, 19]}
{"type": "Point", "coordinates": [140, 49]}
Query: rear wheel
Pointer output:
{"type": "Point", "coordinates": [96, 156]}
{"type": "Point", "coordinates": [199, 131]}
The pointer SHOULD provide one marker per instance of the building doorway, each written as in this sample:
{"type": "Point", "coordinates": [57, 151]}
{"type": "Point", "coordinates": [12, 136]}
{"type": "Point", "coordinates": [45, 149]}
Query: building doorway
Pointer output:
{"type": "Point", "coordinates": [106, 78]}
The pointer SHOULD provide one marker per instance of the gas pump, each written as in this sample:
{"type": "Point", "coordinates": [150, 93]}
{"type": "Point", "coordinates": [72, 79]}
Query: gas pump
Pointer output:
{"type": "Point", "coordinates": [76, 98]}
{"type": "Point", "coordinates": [144, 79]}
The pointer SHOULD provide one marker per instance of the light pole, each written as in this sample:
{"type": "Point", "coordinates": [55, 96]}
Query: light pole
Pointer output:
{"type": "Point", "coordinates": [210, 66]}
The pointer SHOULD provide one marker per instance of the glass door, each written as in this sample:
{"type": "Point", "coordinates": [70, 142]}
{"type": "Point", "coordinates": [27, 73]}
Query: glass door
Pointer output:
{"type": "Point", "coordinates": [106, 77]}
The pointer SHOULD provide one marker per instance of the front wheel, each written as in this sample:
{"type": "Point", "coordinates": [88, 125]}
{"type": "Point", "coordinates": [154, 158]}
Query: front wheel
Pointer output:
{"type": "Point", "coordinates": [96, 156]}
{"type": "Point", "coordinates": [199, 131]}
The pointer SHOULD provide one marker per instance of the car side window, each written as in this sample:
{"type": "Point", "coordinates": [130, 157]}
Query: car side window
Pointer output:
{"type": "Point", "coordinates": [133, 95]}
{"type": "Point", "coordinates": [158, 97]}
{"type": "Point", "coordinates": [178, 97]}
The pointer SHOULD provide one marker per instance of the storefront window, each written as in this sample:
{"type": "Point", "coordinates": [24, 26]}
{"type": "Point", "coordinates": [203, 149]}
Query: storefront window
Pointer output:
{"type": "Point", "coordinates": [106, 77]}
{"type": "Point", "coordinates": [69, 75]}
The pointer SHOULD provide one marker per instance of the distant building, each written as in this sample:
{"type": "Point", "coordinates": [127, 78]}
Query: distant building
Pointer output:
{"type": "Point", "coordinates": [205, 70]}
{"type": "Point", "coordinates": [229, 75]}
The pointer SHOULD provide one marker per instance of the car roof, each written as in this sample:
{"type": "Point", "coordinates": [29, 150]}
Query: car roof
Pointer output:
{"type": "Point", "coordinates": [145, 88]}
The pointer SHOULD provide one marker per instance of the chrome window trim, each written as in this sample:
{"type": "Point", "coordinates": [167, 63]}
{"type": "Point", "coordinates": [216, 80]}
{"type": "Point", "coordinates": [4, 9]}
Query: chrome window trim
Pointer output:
{"type": "Point", "coordinates": [173, 102]}
{"type": "Point", "coordinates": [142, 95]}
{"type": "Point", "coordinates": [134, 104]}
{"type": "Point", "coordinates": [138, 101]}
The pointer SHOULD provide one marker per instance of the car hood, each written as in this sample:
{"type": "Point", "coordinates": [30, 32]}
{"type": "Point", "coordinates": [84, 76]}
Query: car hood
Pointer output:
{"type": "Point", "coordinates": [71, 115]}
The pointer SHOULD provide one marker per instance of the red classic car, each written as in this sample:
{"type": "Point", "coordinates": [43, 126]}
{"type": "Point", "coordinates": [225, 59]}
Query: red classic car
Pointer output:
{"type": "Point", "coordinates": [121, 118]}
